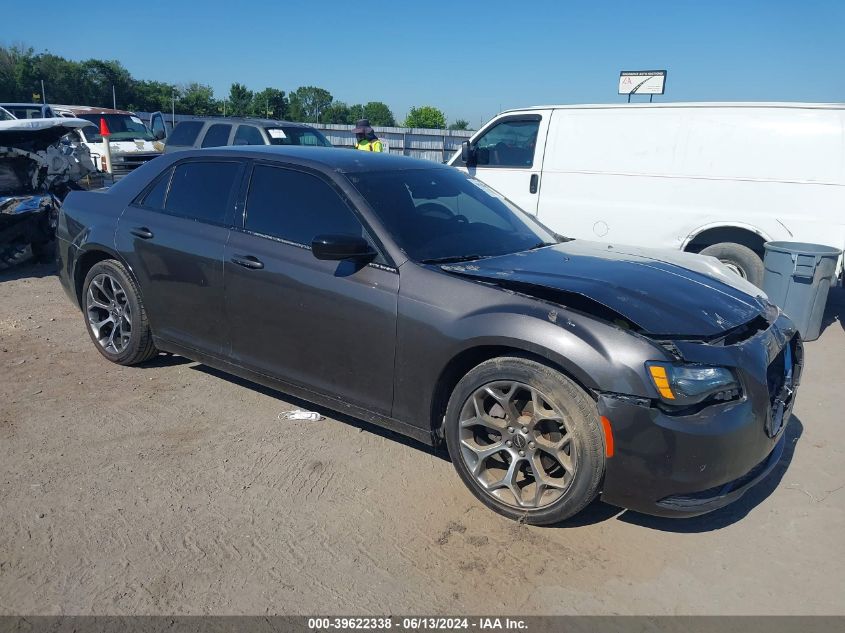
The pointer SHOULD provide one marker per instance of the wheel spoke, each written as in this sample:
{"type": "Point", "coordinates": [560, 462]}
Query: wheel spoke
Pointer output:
{"type": "Point", "coordinates": [482, 453]}
{"type": "Point", "coordinates": [496, 424]}
{"type": "Point", "coordinates": [98, 325]}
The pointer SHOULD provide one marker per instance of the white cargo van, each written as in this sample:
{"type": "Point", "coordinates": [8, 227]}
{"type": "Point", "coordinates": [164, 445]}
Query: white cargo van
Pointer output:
{"type": "Point", "coordinates": [715, 178]}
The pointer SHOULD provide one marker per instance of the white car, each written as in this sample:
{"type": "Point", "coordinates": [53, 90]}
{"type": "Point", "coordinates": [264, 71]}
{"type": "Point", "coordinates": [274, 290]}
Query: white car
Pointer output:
{"type": "Point", "coordinates": [713, 178]}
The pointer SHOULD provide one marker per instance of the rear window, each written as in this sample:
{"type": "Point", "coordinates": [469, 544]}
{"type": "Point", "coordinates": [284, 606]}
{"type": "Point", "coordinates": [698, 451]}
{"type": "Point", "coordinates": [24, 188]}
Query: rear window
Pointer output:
{"type": "Point", "coordinates": [185, 133]}
{"type": "Point", "coordinates": [202, 190]}
{"type": "Point", "coordinates": [217, 135]}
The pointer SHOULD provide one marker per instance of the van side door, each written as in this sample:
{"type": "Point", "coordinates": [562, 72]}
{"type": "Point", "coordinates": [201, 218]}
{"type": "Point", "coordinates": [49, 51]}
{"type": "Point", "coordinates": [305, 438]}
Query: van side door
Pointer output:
{"type": "Point", "coordinates": [507, 154]}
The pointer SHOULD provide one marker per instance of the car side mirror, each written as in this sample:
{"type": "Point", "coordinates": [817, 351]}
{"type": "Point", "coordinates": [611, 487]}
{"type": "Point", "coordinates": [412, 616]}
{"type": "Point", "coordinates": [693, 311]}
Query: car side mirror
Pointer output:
{"type": "Point", "coordinates": [159, 135]}
{"type": "Point", "coordinates": [340, 247]}
{"type": "Point", "coordinates": [467, 153]}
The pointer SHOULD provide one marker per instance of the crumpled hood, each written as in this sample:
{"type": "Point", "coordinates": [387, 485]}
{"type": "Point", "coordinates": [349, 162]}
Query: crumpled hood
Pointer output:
{"type": "Point", "coordinates": [663, 292]}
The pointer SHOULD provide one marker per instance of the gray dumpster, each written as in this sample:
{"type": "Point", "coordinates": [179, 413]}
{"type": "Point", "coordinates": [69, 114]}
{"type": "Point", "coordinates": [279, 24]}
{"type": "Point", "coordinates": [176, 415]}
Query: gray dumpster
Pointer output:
{"type": "Point", "coordinates": [797, 278]}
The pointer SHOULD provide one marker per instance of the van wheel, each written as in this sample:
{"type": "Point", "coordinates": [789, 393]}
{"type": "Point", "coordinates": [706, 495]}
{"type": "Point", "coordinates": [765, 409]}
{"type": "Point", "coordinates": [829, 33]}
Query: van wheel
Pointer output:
{"type": "Point", "coordinates": [740, 259]}
{"type": "Point", "coordinates": [526, 440]}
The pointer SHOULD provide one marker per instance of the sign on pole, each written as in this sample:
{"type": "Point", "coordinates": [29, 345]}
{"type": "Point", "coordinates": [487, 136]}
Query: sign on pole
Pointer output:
{"type": "Point", "coordinates": [642, 82]}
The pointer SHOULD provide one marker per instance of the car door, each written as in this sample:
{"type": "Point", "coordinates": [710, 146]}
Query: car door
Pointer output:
{"type": "Point", "coordinates": [158, 126]}
{"type": "Point", "coordinates": [173, 236]}
{"type": "Point", "coordinates": [327, 326]}
{"type": "Point", "coordinates": [508, 156]}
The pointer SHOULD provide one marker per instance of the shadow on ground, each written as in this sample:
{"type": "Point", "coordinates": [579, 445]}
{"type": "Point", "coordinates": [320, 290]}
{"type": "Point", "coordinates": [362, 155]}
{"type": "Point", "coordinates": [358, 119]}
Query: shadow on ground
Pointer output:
{"type": "Point", "coordinates": [310, 406]}
{"type": "Point", "coordinates": [28, 270]}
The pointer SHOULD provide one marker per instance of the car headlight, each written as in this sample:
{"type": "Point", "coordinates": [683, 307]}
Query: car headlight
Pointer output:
{"type": "Point", "coordinates": [684, 385]}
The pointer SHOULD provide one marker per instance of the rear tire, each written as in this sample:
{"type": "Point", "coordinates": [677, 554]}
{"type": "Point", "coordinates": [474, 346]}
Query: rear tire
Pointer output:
{"type": "Point", "coordinates": [526, 440]}
{"type": "Point", "coordinates": [114, 314]}
{"type": "Point", "coordinates": [740, 259]}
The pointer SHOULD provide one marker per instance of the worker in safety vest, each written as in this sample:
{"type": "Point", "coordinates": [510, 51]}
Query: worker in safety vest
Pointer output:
{"type": "Point", "coordinates": [366, 138]}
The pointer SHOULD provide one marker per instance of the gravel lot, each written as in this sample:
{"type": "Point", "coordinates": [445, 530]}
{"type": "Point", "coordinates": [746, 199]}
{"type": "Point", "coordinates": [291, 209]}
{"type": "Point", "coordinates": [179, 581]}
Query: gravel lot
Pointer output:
{"type": "Point", "coordinates": [171, 488]}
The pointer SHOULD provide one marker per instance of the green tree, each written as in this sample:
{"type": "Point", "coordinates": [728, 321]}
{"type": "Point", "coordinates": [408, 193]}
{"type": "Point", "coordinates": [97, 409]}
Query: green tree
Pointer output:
{"type": "Point", "coordinates": [240, 100]}
{"type": "Point", "coordinates": [307, 102]}
{"type": "Point", "coordinates": [270, 103]}
{"type": "Point", "coordinates": [460, 124]}
{"type": "Point", "coordinates": [197, 99]}
{"type": "Point", "coordinates": [425, 117]}
{"type": "Point", "coordinates": [149, 96]}
{"type": "Point", "coordinates": [379, 114]}
{"type": "Point", "coordinates": [339, 112]}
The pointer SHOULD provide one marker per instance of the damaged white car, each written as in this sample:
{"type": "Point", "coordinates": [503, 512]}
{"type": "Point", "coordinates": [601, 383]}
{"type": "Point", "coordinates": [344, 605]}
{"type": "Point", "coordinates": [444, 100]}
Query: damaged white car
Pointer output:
{"type": "Point", "coordinates": [38, 167]}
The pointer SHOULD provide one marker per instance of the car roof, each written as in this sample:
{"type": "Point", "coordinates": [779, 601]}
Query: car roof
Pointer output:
{"type": "Point", "coordinates": [80, 110]}
{"type": "Point", "coordinates": [324, 158]}
{"type": "Point", "coordinates": [244, 119]}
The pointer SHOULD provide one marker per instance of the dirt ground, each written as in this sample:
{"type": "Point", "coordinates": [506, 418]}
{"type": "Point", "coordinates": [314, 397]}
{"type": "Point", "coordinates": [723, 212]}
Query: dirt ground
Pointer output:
{"type": "Point", "coordinates": [171, 488]}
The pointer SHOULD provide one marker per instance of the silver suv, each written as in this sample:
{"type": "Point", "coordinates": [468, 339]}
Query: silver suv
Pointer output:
{"type": "Point", "coordinates": [217, 132]}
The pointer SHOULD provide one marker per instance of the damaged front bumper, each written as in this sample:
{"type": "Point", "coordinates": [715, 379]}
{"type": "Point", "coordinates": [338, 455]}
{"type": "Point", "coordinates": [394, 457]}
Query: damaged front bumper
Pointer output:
{"type": "Point", "coordinates": [686, 464]}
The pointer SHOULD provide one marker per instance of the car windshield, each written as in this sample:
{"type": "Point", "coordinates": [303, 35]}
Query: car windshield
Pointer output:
{"type": "Point", "coordinates": [5, 115]}
{"type": "Point", "coordinates": [297, 136]}
{"type": "Point", "coordinates": [442, 215]}
{"type": "Point", "coordinates": [123, 127]}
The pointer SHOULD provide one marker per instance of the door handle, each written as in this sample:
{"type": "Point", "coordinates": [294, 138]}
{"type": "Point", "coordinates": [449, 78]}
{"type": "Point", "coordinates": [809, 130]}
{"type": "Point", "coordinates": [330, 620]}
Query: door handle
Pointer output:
{"type": "Point", "coordinates": [141, 231]}
{"type": "Point", "coordinates": [248, 261]}
{"type": "Point", "coordinates": [532, 184]}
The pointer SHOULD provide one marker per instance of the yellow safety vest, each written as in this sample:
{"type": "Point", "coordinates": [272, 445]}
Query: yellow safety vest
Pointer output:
{"type": "Point", "coordinates": [370, 146]}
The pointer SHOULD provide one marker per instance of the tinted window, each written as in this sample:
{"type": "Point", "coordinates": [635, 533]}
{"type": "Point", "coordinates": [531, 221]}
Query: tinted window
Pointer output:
{"type": "Point", "coordinates": [201, 190]}
{"type": "Point", "coordinates": [297, 136]}
{"type": "Point", "coordinates": [296, 206]}
{"type": "Point", "coordinates": [185, 133]}
{"type": "Point", "coordinates": [248, 135]}
{"type": "Point", "coordinates": [155, 197]}
{"type": "Point", "coordinates": [441, 213]}
{"type": "Point", "coordinates": [508, 144]}
{"type": "Point", "coordinates": [217, 135]}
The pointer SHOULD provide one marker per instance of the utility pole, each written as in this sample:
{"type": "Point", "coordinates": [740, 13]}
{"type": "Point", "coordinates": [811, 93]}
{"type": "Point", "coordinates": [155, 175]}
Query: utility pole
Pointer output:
{"type": "Point", "coordinates": [173, 108]}
{"type": "Point", "coordinates": [43, 94]}
{"type": "Point", "coordinates": [113, 98]}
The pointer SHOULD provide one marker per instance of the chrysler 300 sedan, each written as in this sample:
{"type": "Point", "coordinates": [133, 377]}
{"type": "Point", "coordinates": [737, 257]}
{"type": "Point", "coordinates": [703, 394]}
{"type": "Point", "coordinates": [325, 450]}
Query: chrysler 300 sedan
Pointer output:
{"type": "Point", "coordinates": [409, 295]}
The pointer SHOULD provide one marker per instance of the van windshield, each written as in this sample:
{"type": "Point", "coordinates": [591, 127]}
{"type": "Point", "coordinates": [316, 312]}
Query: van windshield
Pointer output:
{"type": "Point", "coordinates": [123, 127]}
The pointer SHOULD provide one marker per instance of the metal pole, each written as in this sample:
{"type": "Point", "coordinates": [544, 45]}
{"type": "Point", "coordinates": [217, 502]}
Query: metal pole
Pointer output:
{"type": "Point", "coordinates": [43, 94]}
{"type": "Point", "coordinates": [173, 109]}
{"type": "Point", "coordinates": [113, 98]}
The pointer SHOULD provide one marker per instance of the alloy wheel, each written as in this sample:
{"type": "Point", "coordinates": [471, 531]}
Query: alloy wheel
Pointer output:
{"type": "Point", "coordinates": [109, 313]}
{"type": "Point", "coordinates": [517, 444]}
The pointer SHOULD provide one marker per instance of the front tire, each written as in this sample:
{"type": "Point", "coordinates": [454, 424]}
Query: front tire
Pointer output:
{"type": "Point", "coordinates": [114, 314]}
{"type": "Point", "coordinates": [740, 259]}
{"type": "Point", "coordinates": [526, 440]}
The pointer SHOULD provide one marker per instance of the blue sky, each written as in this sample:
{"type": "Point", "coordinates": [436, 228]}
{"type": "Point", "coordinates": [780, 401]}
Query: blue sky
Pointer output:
{"type": "Point", "coordinates": [469, 58]}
